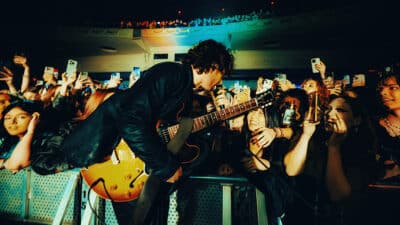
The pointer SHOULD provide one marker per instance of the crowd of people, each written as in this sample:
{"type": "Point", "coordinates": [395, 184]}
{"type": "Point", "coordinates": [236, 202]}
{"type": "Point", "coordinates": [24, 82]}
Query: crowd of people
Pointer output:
{"type": "Point", "coordinates": [314, 151]}
{"type": "Point", "coordinates": [210, 21]}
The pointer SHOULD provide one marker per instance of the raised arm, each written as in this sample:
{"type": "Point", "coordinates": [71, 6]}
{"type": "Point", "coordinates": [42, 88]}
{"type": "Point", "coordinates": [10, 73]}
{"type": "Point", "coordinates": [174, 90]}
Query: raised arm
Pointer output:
{"type": "Point", "coordinates": [22, 60]}
{"type": "Point", "coordinates": [295, 159]}
{"type": "Point", "coordinates": [335, 178]}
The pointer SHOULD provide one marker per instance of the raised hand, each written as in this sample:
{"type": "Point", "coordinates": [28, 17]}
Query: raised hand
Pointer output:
{"type": "Point", "coordinates": [114, 82]}
{"type": "Point", "coordinates": [340, 131]}
{"type": "Point", "coordinates": [20, 60]}
{"type": "Point", "coordinates": [262, 137]}
{"type": "Point", "coordinates": [6, 75]}
{"type": "Point", "coordinates": [321, 67]}
{"type": "Point", "coordinates": [33, 123]}
{"type": "Point", "coordinates": [256, 119]}
{"type": "Point", "coordinates": [285, 85]}
{"type": "Point", "coordinates": [82, 82]}
{"type": "Point", "coordinates": [68, 80]}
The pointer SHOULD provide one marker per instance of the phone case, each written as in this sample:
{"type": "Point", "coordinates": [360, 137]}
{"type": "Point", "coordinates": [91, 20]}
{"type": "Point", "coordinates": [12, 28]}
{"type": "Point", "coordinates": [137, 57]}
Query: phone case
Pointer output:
{"type": "Point", "coordinates": [71, 67]}
{"type": "Point", "coordinates": [315, 61]}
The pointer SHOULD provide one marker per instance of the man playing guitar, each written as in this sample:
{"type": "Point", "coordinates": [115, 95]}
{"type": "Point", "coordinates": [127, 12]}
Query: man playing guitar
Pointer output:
{"type": "Point", "coordinates": [163, 92]}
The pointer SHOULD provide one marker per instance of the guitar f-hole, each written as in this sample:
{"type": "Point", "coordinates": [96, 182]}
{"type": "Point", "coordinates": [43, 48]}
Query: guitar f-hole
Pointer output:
{"type": "Point", "coordinates": [134, 179]}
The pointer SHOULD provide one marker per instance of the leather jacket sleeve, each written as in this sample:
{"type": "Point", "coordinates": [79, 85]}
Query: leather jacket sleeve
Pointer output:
{"type": "Point", "coordinates": [47, 157]}
{"type": "Point", "coordinates": [159, 95]}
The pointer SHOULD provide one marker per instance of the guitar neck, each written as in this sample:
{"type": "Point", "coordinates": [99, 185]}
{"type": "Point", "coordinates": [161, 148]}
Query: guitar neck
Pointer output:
{"type": "Point", "coordinates": [202, 122]}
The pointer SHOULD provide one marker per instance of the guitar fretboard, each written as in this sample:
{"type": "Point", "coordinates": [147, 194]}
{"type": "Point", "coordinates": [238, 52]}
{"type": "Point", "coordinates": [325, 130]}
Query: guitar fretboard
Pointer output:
{"type": "Point", "coordinates": [209, 119]}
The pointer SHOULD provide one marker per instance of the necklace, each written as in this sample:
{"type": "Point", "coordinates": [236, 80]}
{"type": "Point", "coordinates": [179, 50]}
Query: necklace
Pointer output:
{"type": "Point", "coordinates": [392, 127]}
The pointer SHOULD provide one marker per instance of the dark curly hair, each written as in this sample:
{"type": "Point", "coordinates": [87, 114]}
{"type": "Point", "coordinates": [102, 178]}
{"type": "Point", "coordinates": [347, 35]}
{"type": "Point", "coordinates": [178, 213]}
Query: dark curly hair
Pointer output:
{"type": "Point", "coordinates": [382, 110]}
{"type": "Point", "coordinates": [210, 54]}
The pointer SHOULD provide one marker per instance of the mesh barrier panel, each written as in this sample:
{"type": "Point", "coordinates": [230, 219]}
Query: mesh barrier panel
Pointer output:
{"type": "Point", "coordinates": [46, 195]}
{"type": "Point", "coordinates": [110, 218]}
{"type": "Point", "coordinates": [12, 193]}
{"type": "Point", "coordinates": [173, 215]}
{"type": "Point", "coordinates": [199, 203]}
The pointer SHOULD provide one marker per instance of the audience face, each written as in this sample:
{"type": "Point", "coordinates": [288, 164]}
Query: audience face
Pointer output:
{"type": "Point", "coordinates": [4, 102]}
{"type": "Point", "coordinates": [390, 94]}
{"type": "Point", "coordinates": [16, 121]}
{"type": "Point", "coordinates": [310, 86]}
{"type": "Point", "coordinates": [287, 101]}
{"type": "Point", "coordinates": [48, 77]}
{"type": "Point", "coordinates": [339, 109]}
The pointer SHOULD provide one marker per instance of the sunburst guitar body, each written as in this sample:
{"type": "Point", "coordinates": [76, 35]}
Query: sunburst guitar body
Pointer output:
{"type": "Point", "coordinates": [120, 179]}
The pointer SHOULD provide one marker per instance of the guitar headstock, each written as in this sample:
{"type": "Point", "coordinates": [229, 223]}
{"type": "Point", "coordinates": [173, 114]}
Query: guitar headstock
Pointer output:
{"type": "Point", "coordinates": [265, 98]}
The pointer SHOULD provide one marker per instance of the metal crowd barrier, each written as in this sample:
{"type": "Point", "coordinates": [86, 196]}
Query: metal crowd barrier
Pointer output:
{"type": "Point", "coordinates": [63, 199]}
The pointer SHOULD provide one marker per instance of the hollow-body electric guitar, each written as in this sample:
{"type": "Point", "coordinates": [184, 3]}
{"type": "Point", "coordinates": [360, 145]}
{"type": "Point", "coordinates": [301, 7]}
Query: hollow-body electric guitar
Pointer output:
{"type": "Point", "coordinates": [121, 178]}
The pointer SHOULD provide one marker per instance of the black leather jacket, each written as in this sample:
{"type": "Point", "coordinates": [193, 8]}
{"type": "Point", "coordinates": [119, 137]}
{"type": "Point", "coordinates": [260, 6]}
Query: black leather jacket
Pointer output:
{"type": "Point", "coordinates": [132, 115]}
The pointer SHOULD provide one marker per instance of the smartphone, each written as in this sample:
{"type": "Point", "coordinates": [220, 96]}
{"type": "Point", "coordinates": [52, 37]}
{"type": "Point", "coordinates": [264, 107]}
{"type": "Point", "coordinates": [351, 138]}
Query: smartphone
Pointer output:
{"type": "Point", "coordinates": [84, 75]}
{"type": "Point", "coordinates": [267, 84]}
{"type": "Point", "coordinates": [39, 82]}
{"type": "Point", "coordinates": [115, 75]}
{"type": "Point", "coordinates": [358, 80]}
{"type": "Point", "coordinates": [48, 70]}
{"type": "Point", "coordinates": [136, 71]}
{"type": "Point", "coordinates": [346, 80]}
{"type": "Point", "coordinates": [281, 77]}
{"type": "Point", "coordinates": [315, 61]}
{"type": "Point", "coordinates": [72, 66]}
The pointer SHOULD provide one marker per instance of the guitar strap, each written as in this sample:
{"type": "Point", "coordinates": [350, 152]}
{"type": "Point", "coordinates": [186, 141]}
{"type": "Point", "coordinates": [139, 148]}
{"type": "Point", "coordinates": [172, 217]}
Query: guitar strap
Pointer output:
{"type": "Point", "coordinates": [183, 132]}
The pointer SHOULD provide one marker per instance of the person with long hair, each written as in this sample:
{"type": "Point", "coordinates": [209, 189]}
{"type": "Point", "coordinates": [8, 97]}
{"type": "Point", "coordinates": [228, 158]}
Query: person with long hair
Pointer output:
{"type": "Point", "coordinates": [389, 125]}
{"type": "Point", "coordinates": [18, 127]}
{"type": "Point", "coordinates": [336, 173]}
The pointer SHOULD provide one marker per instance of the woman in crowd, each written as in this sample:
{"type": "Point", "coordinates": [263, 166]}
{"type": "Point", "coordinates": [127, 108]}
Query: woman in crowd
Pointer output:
{"type": "Point", "coordinates": [389, 125]}
{"type": "Point", "coordinates": [341, 170]}
{"type": "Point", "coordinates": [269, 141]}
{"type": "Point", "coordinates": [388, 133]}
{"type": "Point", "coordinates": [22, 143]}
{"type": "Point", "coordinates": [20, 135]}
